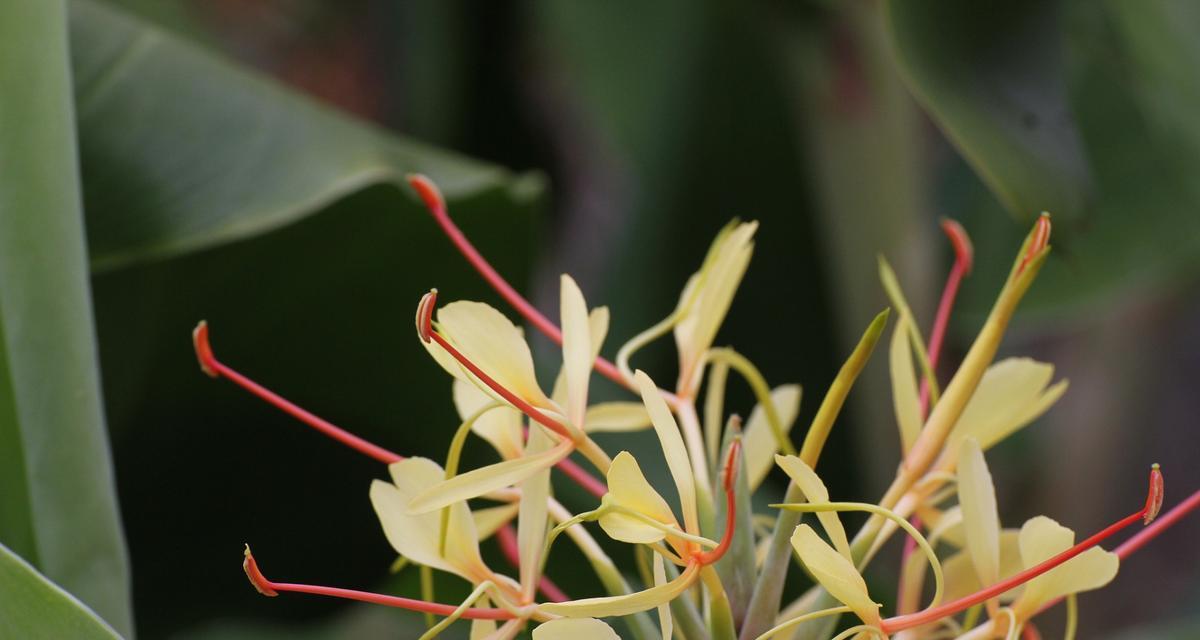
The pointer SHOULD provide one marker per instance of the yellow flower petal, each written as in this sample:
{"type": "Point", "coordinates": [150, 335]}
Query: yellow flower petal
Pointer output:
{"type": "Point", "coordinates": [577, 349]}
{"type": "Point", "coordinates": [494, 344]}
{"type": "Point", "coordinates": [480, 481]}
{"type": "Point", "coordinates": [416, 536]}
{"type": "Point", "coordinates": [713, 288]}
{"type": "Point", "coordinates": [962, 579]}
{"type": "Point", "coordinates": [673, 449]}
{"type": "Point", "coordinates": [1011, 394]}
{"type": "Point", "coordinates": [533, 517]}
{"type": "Point", "coordinates": [814, 491]}
{"type": "Point", "coordinates": [905, 394]}
{"type": "Point", "coordinates": [575, 629]}
{"type": "Point", "coordinates": [625, 604]}
{"type": "Point", "coordinates": [666, 623]}
{"type": "Point", "coordinates": [759, 445]}
{"type": "Point", "coordinates": [981, 520]}
{"type": "Point", "coordinates": [598, 329]}
{"type": "Point", "coordinates": [835, 573]}
{"type": "Point", "coordinates": [481, 629]}
{"type": "Point", "coordinates": [1041, 539]}
{"type": "Point", "coordinates": [488, 520]}
{"type": "Point", "coordinates": [616, 417]}
{"type": "Point", "coordinates": [627, 487]}
{"type": "Point", "coordinates": [500, 427]}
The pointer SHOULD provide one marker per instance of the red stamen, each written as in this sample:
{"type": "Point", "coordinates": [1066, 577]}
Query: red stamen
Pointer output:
{"type": "Point", "coordinates": [1030, 632]}
{"type": "Point", "coordinates": [964, 257]}
{"type": "Point", "coordinates": [709, 557]}
{"type": "Point", "coordinates": [432, 197]}
{"type": "Point", "coordinates": [1161, 524]}
{"type": "Point", "coordinates": [269, 588]}
{"type": "Point", "coordinates": [899, 623]}
{"type": "Point", "coordinates": [507, 537]}
{"type": "Point", "coordinates": [215, 368]}
{"type": "Point", "coordinates": [582, 477]}
{"type": "Point", "coordinates": [512, 398]}
{"type": "Point", "coordinates": [1041, 237]}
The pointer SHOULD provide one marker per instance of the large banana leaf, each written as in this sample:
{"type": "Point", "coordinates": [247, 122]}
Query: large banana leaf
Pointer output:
{"type": "Point", "coordinates": [58, 508]}
{"type": "Point", "coordinates": [33, 607]}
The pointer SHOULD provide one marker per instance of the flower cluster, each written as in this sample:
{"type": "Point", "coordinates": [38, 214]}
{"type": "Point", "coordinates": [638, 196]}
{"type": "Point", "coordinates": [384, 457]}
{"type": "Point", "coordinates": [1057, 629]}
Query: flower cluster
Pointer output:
{"type": "Point", "coordinates": [709, 566]}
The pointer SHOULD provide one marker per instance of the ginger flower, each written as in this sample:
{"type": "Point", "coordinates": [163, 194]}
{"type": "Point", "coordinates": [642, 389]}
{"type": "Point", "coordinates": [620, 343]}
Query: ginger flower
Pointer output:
{"type": "Point", "coordinates": [708, 565]}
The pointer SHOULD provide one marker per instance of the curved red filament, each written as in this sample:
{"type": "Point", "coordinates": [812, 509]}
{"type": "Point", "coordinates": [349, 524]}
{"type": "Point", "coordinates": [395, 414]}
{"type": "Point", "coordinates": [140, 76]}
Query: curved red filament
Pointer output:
{"type": "Point", "coordinates": [270, 588]}
{"type": "Point", "coordinates": [730, 486]}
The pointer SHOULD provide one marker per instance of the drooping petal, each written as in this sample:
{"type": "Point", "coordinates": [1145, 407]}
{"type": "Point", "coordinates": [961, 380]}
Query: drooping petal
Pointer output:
{"type": "Point", "coordinates": [665, 621]}
{"type": "Point", "coordinates": [835, 573]}
{"type": "Point", "coordinates": [494, 344]}
{"type": "Point", "coordinates": [577, 349]}
{"type": "Point", "coordinates": [759, 445]}
{"type": "Point", "coordinates": [485, 479]}
{"type": "Point", "coordinates": [981, 520]}
{"type": "Point", "coordinates": [624, 605]}
{"type": "Point", "coordinates": [1041, 539]}
{"type": "Point", "coordinates": [673, 449]}
{"type": "Point", "coordinates": [814, 491]}
{"type": "Point", "coordinates": [416, 536]}
{"type": "Point", "coordinates": [575, 629]}
{"type": "Point", "coordinates": [713, 288]}
{"type": "Point", "coordinates": [1012, 393]}
{"type": "Point", "coordinates": [500, 427]}
{"type": "Point", "coordinates": [905, 398]}
{"type": "Point", "coordinates": [533, 518]}
{"type": "Point", "coordinates": [627, 487]}
{"type": "Point", "coordinates": [616, 417]}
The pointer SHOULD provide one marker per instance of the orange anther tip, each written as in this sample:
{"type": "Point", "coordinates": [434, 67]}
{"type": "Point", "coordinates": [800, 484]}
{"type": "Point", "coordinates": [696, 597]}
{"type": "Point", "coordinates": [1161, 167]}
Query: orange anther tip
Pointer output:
{"type": "Point", "coordinates": [428, 191]}
{"type": "Point", "coordinates": [204, 352]}
{"type": "Point", "coordinates": [260, 582]}
{"type": "Point", "coordinates": [964, 251]}
{"type": "Point", "coordinates": [1154, 499]}
{"type": "Point", "coordinates": [425, 314]}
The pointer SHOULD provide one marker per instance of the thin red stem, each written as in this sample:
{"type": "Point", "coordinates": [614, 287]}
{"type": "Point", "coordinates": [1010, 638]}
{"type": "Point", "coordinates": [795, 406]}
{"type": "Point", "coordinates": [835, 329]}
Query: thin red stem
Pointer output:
{"type": "Point", "coordinates": [582, 477]}
{"type": "Point", "coordinates": [436, 204]}
{"type": "Point", "coordinates": [709, 557]}
{"type": "Point", "coordinates": [899, 623]}
{"type": "Point", "coordinates": [1152, 531]}
{"type": "Point", "coordinates": [507, 537]}
{"type": "Point", "coordinates": [269, 588]}
{"type": "Point", "coordinates": [217, 369]}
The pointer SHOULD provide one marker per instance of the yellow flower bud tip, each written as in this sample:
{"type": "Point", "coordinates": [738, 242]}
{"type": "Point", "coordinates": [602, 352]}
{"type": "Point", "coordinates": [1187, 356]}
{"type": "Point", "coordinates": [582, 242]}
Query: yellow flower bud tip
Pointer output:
{"type": "Point", "coordinates": [260, 582]}
{"type": "Point", "coordinates": [204, 354]}
{"type": "Point", "coordinates": [427, 191]}
{"type": "Point", "coordinates": [1040, 239]}
{"type": "Point", "coordinates": [425, 315]}
{"type": "Point", "coordinates": [1154, 500]}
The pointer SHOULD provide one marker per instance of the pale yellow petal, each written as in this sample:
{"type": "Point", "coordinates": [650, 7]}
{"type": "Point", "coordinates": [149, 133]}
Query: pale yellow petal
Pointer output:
{"type": "Point", "coordinates": [416, 536]}
{"type": "Point", "coordinates": [533, 517]}
{"type": "Point", "coordinates": [715, 286]}
{"type": "Point", "coordinates": [575, 629]}
{"type": "Point", "coordinates": [673, 449]}
{"type": "Point", "coordinates": [576, 348]}
{"type": "Point", "coordinates": [905, 394]}
{"type": "Point", "coordinates": [665, 621]}
{"type": "Point", "coordinates": [489, 520]}
{"type": "Point", "coordinates": [981, 520]}
{"type": "Point", "coordinates": [628, 488]}
{"type": "Point", "coordinates": [494, 344]}
{"type": "Point", "coordinates": [759, 445]}
{"type": "Point", "coordinates": [815, 492]}
{"type": "Point", "coordinates": [500, 427]}
{"type": "Point", "coordinates": [1041, 539]}
{"type": "Point", "coordinates": [480, 481]}
{"type": "Point", "coordinates": [624, 605]}
{"type": "Point", "coordinates": [962, 579]}
{"type": "Point", "coordinates": [616, 417]}
{"type": "Point", "coordinates": [947, 527]}
{"type": "Point", "coordinates": [598, 329]}
{"type": "Point", "coordinates": [481, 629]}
{"type": "Point", "coordinates": [835, 573]}
{"type": "Point", "coordinates": [1011, 394]}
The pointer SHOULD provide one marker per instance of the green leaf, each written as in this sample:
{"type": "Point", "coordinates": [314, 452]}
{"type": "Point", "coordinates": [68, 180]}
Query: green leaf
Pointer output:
{"type": "Point", "coordinates": [33, 607]}
{"type": "Point", "coordinates": [182, 150]}
{"type": "Point", "coordinates": [58, 507]}
{"type": "Point", "coordinates": [992, 76]}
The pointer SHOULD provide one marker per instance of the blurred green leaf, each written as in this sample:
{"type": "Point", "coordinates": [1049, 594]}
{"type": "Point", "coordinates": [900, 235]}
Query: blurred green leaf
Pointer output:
{"type": "Point", "coordinates": [33, 607]}
{"type": "Point", "coordinates": [992, 76]}
{"type": "Point", "coordinates": [58, 508]}
{"type": "Point", "coordinates": [183, 150]}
